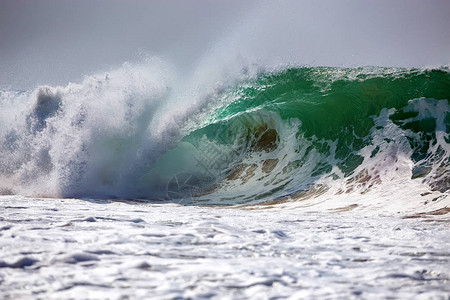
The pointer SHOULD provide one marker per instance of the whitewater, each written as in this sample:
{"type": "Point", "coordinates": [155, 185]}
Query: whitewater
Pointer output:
{"type": "Point", "coordinates": [255, 175]}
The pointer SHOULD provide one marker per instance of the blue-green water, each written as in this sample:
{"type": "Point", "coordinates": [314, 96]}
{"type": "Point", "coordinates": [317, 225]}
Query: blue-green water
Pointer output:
{"type": "Point", "coordinates": [274, 135]}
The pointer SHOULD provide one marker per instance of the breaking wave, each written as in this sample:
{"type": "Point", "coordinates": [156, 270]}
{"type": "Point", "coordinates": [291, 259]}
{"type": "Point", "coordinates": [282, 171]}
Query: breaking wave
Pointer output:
{"type": "Point", "coordinates": [285, 135]}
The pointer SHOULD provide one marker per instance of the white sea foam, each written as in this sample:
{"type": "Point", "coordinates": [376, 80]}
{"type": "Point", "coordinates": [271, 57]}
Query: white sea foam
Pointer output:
{"type": "Point", "coordinates": [68, 248]}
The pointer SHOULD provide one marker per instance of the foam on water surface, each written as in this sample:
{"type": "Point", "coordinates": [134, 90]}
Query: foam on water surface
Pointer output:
{"type": "Point", "coordinates": [68, 248]}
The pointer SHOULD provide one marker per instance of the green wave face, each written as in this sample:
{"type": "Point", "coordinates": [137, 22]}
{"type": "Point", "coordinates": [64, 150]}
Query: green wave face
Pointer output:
{"type": "Point", "coordinates": [288, 132]}
{"type": "Point", "coordinates": [330, 101]}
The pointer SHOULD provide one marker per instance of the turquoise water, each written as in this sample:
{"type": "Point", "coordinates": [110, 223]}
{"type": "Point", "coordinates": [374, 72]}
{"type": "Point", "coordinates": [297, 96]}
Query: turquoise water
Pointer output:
{"type": "Point", "coordinates": [307, 123]}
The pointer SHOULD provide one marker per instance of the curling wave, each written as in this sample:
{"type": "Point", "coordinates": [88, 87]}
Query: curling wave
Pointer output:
{"type": "Point", "coordinates": [297, 133]}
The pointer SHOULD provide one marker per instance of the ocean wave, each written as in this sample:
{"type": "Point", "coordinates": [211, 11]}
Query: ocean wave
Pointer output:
{"type": "Point", "coordinates": [286, 135]}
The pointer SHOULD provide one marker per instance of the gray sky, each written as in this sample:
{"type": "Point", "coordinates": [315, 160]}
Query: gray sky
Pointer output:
{"type": "Point", "coordinates": [54, 41]}
{"type": "Point", "coordinates": [58, 41]}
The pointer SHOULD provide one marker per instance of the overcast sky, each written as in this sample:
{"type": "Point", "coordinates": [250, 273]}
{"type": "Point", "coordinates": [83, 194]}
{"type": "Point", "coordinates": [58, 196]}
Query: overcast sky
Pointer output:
{"type": "Point", "coordinates": [58, 41]}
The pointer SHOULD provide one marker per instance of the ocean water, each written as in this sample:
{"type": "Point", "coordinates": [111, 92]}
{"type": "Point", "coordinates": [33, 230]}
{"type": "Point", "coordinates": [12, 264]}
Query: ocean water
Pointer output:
{"type": "Point", "coordinates": [296, 182]}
